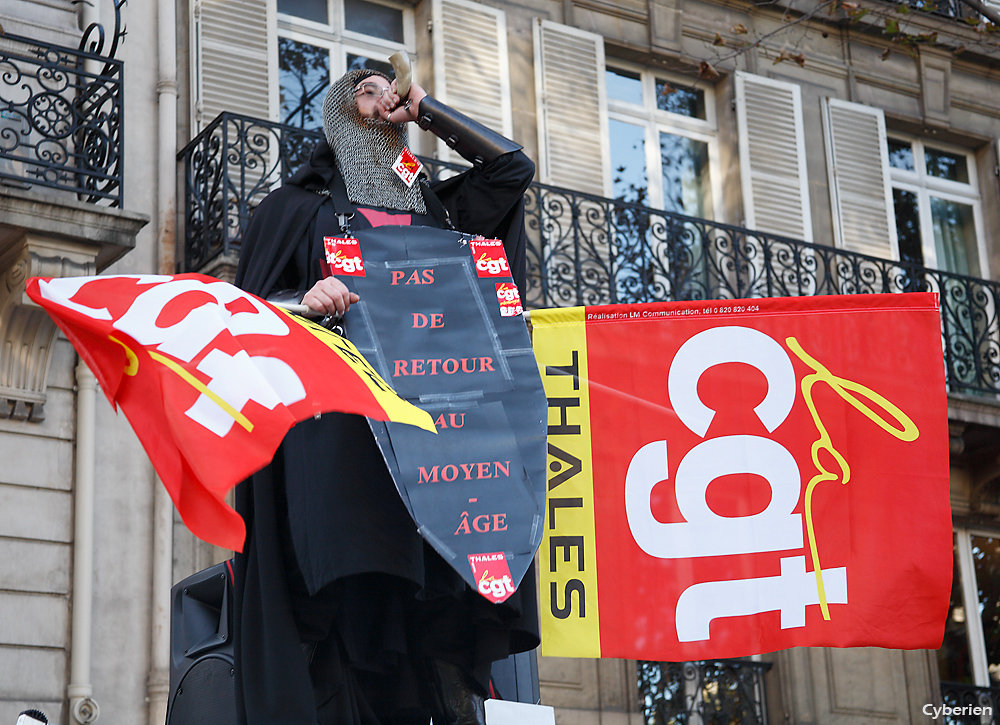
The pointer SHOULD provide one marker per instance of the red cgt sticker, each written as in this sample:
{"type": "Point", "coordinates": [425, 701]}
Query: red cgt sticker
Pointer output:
{"type": "Point", "coordinates": [490, 258]}
{"type": "Point", "coordinates": [492, 575]}
{"type": "Point", "coordinates": [407, 166]}
{"type": "Point", "coordinates": [343, 255]}
{"type": "Point", "coordinates": [509, 299]}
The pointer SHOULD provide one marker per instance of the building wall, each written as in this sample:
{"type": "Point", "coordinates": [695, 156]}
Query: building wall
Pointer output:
{"type": "Point", "coordinates": [37, 459]}
{"type": "Point", "coordinates": [36, 534]}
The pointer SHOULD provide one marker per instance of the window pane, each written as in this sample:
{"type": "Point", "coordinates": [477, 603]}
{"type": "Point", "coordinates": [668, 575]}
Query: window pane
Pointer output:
{"type": "Point", "coordinates": [908, 226]}
{"type": "Point", "coordinates": [354, 62]}
{"type": "Point", "coordinates": [628, 162]}
{"type": "Point", "coordinates": [372, 19]}
{"type": "Point", "coordinates": [986, 557]}
{"type": "Point", "coordinates": [954, 237]}
{"type": "Point", "coordinates": [944, 165]}
{"type": "Point", "coordinates": [685, 174]}
{"type": "Point", "coordinates": [954, 662]}
{"type": "Point", "coordinates": [306, 9]}
{"type": "Point", "coordinates": [304, 76]}
{"type": "Point", "coordinates": [623, 85]}
{"type": "Point", "coordinates": [688, 102]}
{"type": "Point", "coordinates": [901, 155]}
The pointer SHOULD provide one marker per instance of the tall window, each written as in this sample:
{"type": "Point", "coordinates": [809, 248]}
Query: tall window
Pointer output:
{"type": "Point", "coordinates": [936, 200]}
{"type": "Point", "coordinates": [320, 40]}
{"type": "Point", "coordinates": [662, 141]}
{"type": "Point", "coordinates": [970, 653]}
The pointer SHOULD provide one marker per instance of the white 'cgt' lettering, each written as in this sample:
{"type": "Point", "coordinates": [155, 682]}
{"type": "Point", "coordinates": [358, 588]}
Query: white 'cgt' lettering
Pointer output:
{"type": "Point", "coordinates": [726, 345]}
{"type": "Point", "coordinates": [705, 533]}
{"type": "Point", "coordinates": [186, 338]}
{"type": "Point", "coordinates": [237, 379]}
{"type": "Point", "coordinates": [788, 593]}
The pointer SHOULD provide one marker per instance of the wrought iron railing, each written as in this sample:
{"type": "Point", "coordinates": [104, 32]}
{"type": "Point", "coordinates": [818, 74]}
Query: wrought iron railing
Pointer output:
{"type": "Point", "coordinates": [228, 168]}
{"type": "Point", "coordinates": [722, 692]}
{"type": "Point", "coordinates": [61, 113]}
{"type": "Point", "coordinates": [589, 250]}
{"type": "Point", "coordinates": [955, 9]}
{"type": "Point", "coordinates": [969, 705]}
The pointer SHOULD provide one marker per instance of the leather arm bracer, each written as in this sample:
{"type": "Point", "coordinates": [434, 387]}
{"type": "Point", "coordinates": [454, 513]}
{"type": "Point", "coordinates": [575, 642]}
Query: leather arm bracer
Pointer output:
{"type": "Point", "coordinates": [471, 139]}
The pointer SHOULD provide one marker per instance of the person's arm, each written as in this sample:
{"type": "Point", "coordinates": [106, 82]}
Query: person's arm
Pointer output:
{"type": "Point", "coordinates": [472, 140]}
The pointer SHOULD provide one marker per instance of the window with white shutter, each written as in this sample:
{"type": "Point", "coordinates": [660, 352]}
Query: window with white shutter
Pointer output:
{"type": "Point", "coordinates": [320, 40]}
{"type": "Point", "coordinates": [938, 209]}
{"type": "Point", "coordinates": [471, 72]}
{"type": "Point", "coordinates": [663, 143]}
{"type": "Point", "coordinates": [860, 191]}
{"type": "Point", "coordinates": [233, 68]}
{"type": "Point", "coordinates": [572, 108]}
{"type": "Point", "coordinates": [772, 156]}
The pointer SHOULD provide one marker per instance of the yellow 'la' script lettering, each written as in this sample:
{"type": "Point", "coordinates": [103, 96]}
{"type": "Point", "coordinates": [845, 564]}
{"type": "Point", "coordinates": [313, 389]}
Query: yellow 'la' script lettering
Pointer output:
{"type": "Point", "coordinates": [853, 393]}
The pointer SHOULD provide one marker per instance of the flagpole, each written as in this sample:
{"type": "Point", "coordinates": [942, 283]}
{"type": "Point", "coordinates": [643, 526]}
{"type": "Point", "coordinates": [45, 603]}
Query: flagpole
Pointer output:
{"type": "Point", "coordinates": [295, 308]}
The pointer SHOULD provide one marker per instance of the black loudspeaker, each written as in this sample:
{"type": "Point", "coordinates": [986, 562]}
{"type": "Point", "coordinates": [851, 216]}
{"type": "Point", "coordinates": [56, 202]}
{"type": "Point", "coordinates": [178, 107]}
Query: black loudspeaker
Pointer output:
{"type": "Point", "coordinates": [202, 690]}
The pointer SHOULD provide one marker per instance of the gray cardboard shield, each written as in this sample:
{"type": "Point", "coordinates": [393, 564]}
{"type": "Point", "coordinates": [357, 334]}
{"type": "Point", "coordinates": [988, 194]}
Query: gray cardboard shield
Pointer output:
{"type": "Point", "coordinates": [433, 328]}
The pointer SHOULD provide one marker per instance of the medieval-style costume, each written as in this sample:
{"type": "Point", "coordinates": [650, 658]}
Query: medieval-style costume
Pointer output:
{"type": "Point", "coordinates": [343, 614]}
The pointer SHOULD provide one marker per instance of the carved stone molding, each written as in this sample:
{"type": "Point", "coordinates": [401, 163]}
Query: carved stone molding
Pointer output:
{"type": "Point", "coordinates": [665, 25]}
{"type": "Point", "coordinates": [46, 237]}
{"type": "Point", "coordinates": [27, 334]}
{"type": "Point", "coordinates": [935, 91]}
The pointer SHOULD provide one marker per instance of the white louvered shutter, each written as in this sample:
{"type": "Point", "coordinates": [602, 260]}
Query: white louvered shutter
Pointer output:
{"type": "Point", "coordinates": [772, 156]}
{"type": "Point", "coordinates": [572, 108]}
{"type": "Point", "coordinates": [471, 72]}
{"type": "Point", "coordinates": [857, 156]}
{"type": "Point", "coordinates": [235, 58]}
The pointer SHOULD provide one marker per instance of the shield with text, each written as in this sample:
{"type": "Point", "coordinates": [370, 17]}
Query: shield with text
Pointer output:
{"type": "Point", "coordinates": [434, 328]}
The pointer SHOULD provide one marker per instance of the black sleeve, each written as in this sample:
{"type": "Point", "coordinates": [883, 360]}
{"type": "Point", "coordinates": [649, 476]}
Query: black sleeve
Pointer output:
{"type": "Point", "coordinates": [480, 199]}
{"type": "Point", "coordinates": [490, 201]}
{"type": "Point", "coordinates": [269, 254]}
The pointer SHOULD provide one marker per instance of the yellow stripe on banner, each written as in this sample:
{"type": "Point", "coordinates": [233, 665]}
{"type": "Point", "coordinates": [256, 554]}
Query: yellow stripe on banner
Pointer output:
{"type": "Point", "coordinates": [397, 409]}
{"type": "Point", "coordinates": [203, 389]}
{"type": "Point", "coordinates": [568, 555]}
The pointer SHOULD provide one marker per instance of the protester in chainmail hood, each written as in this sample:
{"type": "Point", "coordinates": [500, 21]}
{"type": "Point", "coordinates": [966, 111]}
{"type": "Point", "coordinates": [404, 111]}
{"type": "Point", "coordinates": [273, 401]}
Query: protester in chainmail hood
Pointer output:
{"type": "Point", "coordinates": [366, 148]}
{"type": "Point", "coordinates": [343, 615]}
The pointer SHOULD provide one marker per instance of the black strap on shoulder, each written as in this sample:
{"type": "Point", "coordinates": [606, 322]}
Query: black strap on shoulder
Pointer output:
{"type": "Point", "coordinates": [435, 207]}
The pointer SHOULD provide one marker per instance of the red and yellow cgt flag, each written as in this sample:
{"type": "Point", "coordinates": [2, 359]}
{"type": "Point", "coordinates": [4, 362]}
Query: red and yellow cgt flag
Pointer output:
{"type": "Point", "coordinates": [733, 478]}
{"type": "Point", "coordinates": [211, 378]}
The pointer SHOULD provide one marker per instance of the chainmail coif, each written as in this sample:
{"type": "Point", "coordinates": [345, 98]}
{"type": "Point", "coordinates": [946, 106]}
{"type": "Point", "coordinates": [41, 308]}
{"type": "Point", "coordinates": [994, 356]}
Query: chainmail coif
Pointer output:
{"type": "Point", "coordinates": [366, 149]}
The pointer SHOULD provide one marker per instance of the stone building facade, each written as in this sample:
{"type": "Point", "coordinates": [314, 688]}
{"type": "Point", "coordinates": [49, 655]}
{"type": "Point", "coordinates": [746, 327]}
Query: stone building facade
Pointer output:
{"type": "Point", "coordinates": [652, 126]}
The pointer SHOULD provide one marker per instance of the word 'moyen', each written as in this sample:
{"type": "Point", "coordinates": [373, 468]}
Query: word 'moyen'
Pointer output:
{"type": "Point", "coordinates": [464, 472]}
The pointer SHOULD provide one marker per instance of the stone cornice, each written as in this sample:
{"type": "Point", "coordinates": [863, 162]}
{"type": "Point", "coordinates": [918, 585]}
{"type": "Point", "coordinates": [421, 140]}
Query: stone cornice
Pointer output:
{"type": "Point", "coordinates": [46, 236]}
{"type": "Point", "coordinates": [111, 230]}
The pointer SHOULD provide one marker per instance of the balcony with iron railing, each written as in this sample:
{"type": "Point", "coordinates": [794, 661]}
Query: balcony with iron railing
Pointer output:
{"type": "Point", "coordinates": [61, 113]}
{"type": "Point", "coordinates": [589, 250]}
{"type": "Point", "coordinates": [715, 692]}
{"type": "Point", "coordinates": [969, 705]}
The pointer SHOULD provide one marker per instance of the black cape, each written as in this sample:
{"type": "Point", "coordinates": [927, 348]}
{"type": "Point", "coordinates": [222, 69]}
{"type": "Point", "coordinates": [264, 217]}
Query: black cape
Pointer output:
{"type": "Point", "coordinates": [331, 554]}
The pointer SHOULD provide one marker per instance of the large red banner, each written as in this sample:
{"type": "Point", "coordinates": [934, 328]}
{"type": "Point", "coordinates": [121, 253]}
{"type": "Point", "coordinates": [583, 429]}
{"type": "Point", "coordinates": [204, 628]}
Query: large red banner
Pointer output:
{"type": "Point", "coordinates": [733, 478]}
{"type": "Point", "coordinates": [211, 378]}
